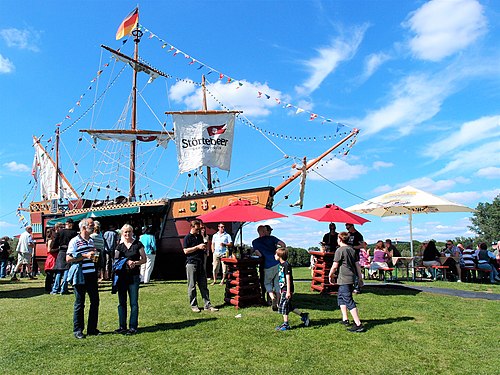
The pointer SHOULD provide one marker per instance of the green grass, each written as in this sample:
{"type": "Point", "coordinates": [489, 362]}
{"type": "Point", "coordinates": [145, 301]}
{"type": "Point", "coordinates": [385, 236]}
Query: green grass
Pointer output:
{"type": "Point", "coordinates": [408, 333]}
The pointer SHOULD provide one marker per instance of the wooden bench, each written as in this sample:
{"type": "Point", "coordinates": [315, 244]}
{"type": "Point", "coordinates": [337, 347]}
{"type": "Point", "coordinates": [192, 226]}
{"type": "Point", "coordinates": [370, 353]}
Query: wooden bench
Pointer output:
{"type": "Point", "coordinates": [443, 269]}
{"type": "Point", "coordinates": [384, 270]}
{"type": "Point", "coordinates": [482, 275]}
{"type": "Point", "coordinates": [421, 270]}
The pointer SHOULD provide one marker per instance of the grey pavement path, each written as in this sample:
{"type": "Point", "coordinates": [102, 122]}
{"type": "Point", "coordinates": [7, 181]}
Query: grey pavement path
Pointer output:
{"type": "Point", "coordinates": [449, 292]}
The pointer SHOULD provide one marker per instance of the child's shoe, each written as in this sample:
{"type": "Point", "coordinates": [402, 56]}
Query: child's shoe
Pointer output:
{"type": "Point", "coordinates": [305, 319]}
{"type": "Point", "coordinates": [345, 322]}
{"type": "Point", "coordinates": [283, 327]}
{"type": "Point", "coordinates": [356, 328]}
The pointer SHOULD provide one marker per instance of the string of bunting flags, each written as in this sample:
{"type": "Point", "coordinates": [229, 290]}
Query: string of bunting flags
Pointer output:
{"type": "Point", "coordinates": [78, 103]}
{"type": "Point", "coordinates": [247, 122]}
{"type": "Point", "coordinates": [228, 79]}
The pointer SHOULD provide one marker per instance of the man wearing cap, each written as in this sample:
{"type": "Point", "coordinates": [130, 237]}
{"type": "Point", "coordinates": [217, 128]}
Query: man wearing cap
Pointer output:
{"type": "Point", "coordinates": [265, 245]}
{"type": "Point", "coordinates": [24, 250]}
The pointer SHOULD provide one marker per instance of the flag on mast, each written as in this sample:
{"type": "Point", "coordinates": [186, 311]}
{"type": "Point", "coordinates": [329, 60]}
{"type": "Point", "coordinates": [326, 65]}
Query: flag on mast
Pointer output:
{"type": "Point", "coordinates": [128, 24]}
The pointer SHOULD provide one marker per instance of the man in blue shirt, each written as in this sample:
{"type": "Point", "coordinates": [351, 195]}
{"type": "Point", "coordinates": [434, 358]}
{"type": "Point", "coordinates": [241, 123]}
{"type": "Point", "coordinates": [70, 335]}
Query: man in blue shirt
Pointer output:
{"type": "Point", "coordinates": [265, 245]}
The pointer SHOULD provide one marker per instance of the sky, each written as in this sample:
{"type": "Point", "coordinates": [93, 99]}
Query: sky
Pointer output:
{"type": "Point", "coordinates": [419, 79]}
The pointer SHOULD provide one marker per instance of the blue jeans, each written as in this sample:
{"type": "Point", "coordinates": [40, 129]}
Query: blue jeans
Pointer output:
{"type": "Point", "coordinates": [3, 268]}
{"type": "Point", "coordinates": [91, 288]}
{"type": "Point", "coordinates": [132, 288]}
{"type": "Point", "coordinates": [488, 267]}
{"type": "Point", "coordinates": [60, 282]}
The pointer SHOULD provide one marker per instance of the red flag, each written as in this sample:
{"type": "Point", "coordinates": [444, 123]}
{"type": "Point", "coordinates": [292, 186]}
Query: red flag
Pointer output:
{"type": "Point", "coordinates": [216, 129]}
{"type": "Point", "coordinates": [128, 24]}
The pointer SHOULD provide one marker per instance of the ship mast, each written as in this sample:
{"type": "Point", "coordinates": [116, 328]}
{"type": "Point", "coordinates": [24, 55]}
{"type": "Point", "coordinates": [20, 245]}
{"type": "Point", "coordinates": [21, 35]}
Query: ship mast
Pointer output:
{"type": "Point", "coordinates": [137, 38]}
{"type": "Point", "coordinates": [315, 161]}
{"type": "Point", "coordinates": [205, 108]}
{"type": "Point", "coordinates": [56, 187]}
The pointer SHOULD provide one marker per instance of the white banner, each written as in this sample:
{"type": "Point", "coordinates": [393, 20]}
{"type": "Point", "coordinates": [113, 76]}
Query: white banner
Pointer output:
{"type": "Point", "coordinates": [204, 140]}
{"type": "Point", "coordinates": [44, 171]}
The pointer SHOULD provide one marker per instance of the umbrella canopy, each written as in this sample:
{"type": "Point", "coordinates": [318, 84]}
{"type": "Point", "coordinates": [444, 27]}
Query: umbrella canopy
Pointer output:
{"type": "Point", "coordinates": [333, 213]}
{"type": "Point", "coordinates": [239, 211]}
{"type": "Point", "coordinates": [407, 201]}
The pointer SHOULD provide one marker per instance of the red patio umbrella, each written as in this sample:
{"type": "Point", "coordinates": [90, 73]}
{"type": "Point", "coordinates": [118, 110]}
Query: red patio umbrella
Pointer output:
{"type": "Point", "coordinates": [333, 214]}
{"type": "Point", "coordinates": [239, 211]}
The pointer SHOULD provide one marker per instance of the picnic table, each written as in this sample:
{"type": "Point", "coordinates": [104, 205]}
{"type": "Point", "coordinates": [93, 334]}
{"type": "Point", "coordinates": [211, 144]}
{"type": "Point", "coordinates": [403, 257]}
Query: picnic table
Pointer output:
{"type": "Point", "coordinates": [405, 262]}
{"type": "Point", "coordinates": [442, 260]}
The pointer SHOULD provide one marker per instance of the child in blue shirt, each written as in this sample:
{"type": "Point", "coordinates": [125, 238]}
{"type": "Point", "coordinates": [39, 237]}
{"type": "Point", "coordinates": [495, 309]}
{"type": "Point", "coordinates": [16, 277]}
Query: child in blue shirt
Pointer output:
{"type": "Point", "coordinates": [286, 290]}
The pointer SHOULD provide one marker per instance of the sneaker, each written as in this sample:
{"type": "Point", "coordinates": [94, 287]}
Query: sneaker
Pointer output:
{"type": "Point", "coordinates": [345, 322]}
{"type": "Point", "coordinates": [356, 328]}
{"type": "Point", "coordinates": [211, 308]}
{"type": "Point", "coordinates": [94, 333]}
{"type": "Point", "coordinates": [305, 319]}
{"type": "Point", "coordinates": [356, 291]}
{"type": "Point", "coordinates": [120, 331]}
{"type": "Point", "coordinates": [195, 309]}
{"type": "Point", "coordinates": [283, 327]}
{"type": "Point", "coordinates": [497, 278]}
{"type": "Point", "coordinates": [459, 281]}
{"type": "Point", "coordinates": [79, 335]}
{"type": "Point", "coordinates": [53, 293]}
{"type": "Point", "coordinates": [131, 331]}
{"type": "Point", "coordinates": [14, 278]}
{"type": "Point", "coordinates": [274, 305]}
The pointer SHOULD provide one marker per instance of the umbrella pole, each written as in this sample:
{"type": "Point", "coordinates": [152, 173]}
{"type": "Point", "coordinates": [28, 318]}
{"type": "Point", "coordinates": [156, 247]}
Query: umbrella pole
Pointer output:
{"type": "Point", "coordinates": [410, 221]}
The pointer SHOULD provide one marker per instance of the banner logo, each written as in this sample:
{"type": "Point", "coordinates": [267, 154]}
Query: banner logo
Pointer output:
{"type": "Point", "coordinates": [216, 129]}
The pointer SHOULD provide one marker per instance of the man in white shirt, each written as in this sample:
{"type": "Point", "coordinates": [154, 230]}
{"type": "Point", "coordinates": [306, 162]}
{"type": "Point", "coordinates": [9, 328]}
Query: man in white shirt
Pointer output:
{"type": "Point", "coordinates": [220, 242]}
{"type": "Point", "coordinates": [24, 250]}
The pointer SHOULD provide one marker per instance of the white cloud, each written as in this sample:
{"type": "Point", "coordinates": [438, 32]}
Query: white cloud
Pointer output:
{"type": "Point", "coordinates": [489, 172]}
{"type": "Point", "coordinates": [244, 98]}
{"type": "Point", "coordinates": [443, 28]}
{"type": "Point", "coordinates": [381, 164]}
{"type": "Point", "coordinates": [472, 196]}
{"type": "Point", "coordinates": [430, 185]}
{"type": "Point", "coordinates": [426, 184]}
{"type": "Point", "coordinates": [180, 90]}
{"type": "Point", "coordinates": [6, 66]}
{"type": "Point", "coordinates": [338, 170]}
{"type": "Point", "coordinates": [373, 62]}
{"type": "Point", "coordinates": [382, 189]}
{"type": "Point", "coordinates": [16, 167]}
{"type": "Point", "coordinates": [470, 132]}
{"type": "Point", "coordinates": [329, 57]}
{"type": "Point", "coordinates": [484, 156]}
{"type": "Point", "coordinates": [413, 100]}
{"type": "Point", "coordinates": [22, 39]}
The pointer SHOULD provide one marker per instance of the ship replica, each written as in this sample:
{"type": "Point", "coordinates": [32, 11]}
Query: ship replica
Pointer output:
{"type": "Point", "coordinates": [204, 140]}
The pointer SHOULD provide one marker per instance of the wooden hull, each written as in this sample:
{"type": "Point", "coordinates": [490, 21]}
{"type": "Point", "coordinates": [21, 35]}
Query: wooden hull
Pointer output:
{"type": "Point", "coordinates": [169, 218]}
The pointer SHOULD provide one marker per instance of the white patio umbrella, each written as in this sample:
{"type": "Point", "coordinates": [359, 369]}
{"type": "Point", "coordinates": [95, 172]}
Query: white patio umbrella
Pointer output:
{"type": "Point", "coordinates": [407, 201]}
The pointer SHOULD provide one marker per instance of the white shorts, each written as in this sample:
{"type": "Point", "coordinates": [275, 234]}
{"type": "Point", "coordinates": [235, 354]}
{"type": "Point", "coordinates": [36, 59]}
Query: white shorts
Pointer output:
{"type": "Point", "coordinates": [23, 258]}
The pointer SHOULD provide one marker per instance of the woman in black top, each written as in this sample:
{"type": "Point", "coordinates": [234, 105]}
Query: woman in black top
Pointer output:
{"type": "Point", "coordinates": [133, 250]}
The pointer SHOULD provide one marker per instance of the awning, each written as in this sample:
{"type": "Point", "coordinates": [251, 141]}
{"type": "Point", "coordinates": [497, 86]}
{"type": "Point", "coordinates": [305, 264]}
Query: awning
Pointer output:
{"type": "Point", "coordinates": [95, 214]}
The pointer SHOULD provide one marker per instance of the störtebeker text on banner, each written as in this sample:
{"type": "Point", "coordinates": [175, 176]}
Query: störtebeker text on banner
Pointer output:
{"type": "Point", "coordinates": [204, 140]}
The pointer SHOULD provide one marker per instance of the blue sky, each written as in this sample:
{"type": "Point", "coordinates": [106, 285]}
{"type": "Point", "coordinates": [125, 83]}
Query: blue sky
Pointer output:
{"type": "Point", "coordinates": [419, 79]}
